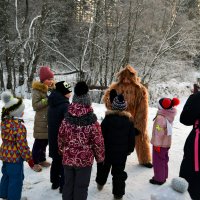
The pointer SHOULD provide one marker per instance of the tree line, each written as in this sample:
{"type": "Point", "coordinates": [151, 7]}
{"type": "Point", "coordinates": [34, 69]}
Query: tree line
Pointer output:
{"type": "Point", "coordinates": [96, 38]}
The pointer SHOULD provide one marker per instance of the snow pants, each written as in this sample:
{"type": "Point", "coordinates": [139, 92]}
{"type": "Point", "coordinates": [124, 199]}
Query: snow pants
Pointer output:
{"type": "Point", "coordinates": [118, 173]}
{"type": "Point", "coordinates": [77, 180]}
{"type": "Point", "coordinates": [57, 172]}
{"type": "Point", "coordinates": [12, 180]}
{"type": "Point", "coordinates": [39, 150]}
{"type": "Point", "coordinates": [160, 164]}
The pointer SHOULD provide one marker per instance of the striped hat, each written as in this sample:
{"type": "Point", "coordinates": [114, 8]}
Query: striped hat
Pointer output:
{"type": "Point", "coordinates": [119, 103]}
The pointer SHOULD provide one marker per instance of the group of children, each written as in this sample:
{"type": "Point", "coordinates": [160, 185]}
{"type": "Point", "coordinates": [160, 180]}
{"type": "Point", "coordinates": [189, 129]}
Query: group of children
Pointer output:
{"type": "Point", "coordinates": [75, 138]}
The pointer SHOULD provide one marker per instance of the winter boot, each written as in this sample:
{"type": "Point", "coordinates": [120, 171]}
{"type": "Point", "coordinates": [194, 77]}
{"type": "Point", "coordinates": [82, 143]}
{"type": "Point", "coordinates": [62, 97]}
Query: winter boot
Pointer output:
{"type": "Point", "coordinates": [45, 164]}
{"type": "Point", "coordinates": [118, 197]}
{"type": "Point", "coordinates": [152, 181]}
{"type": "Point", "coordinates": [148, 165]}
{"type": "Point", "coordinates": [55, 186]}
{"type": "Point", "coordinates": [99, 187]}
{"type": "Point", "coordinates": [37, 168]}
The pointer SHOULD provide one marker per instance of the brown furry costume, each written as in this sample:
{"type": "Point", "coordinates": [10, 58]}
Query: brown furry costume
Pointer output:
{"type": "Point", "coordinates": [136, 96]}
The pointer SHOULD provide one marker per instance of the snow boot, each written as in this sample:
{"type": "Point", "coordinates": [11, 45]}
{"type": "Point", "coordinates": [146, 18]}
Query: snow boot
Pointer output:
{"type": "Point", "coordinates": [45, 164]}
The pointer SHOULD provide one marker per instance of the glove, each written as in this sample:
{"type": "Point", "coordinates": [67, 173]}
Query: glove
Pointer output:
{"type": "Point", "coordinates": [157, 149]}
{"type": "Point", "coordinates": [60, 152]}
{"type": "Point", "coordinates": [45, 101]}
{"type": "Point", "coordinates": [31, 163]}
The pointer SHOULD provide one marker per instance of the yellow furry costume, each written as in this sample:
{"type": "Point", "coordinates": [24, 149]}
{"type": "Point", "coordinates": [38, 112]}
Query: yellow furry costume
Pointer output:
{"type": "Point", "coordinates": [136, 96]}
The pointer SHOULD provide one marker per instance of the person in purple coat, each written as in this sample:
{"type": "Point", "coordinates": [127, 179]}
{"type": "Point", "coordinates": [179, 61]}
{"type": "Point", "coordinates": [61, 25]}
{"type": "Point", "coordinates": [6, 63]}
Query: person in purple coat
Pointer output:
{"type": "Point", "coordinates": [161, 138]}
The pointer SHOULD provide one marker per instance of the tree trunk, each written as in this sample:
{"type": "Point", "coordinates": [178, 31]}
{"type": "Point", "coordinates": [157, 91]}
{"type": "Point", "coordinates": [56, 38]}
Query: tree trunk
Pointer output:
{"type": "Point", "coordinates": [2, 86]}
{"type": "Point", "coordinates": [9, 64]}
{"type": "Point", "coordinates": [39, 45]}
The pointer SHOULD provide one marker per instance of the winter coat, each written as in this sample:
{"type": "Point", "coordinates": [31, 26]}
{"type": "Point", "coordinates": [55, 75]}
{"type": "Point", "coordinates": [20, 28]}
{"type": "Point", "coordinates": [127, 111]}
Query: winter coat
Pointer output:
{"type": "Point", "coordinates": [80, 138]}
{"type": "Point", "coordinates": [58, 105]}
{"type": "Point", "coordinates": [190, 113]}
{"type": "Point", "coordinates": [39, 103]}
{"type": "Point", "coordinates": [160, 136]}
{"type": "Point", "coordinates": [119, 136]}
{"type": "Point", "coordinates": [14, 143]}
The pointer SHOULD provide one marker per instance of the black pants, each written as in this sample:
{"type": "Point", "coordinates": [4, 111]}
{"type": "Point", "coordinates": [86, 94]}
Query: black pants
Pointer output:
{"type": "Point", "coordinates": [39, 150]}
{"type": "Point", "coordinates": [76, 183]}
{"type": "Point", "coordinates": [118, 173]}
{"type": "Point", "coordinates": [193, 178]}
{"type": "Point", "coordinates": [57, 172]}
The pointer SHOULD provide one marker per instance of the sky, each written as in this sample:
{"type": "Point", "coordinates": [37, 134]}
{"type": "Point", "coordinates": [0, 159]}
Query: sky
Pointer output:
{"type": "Point", "coordinates": [37, 185]}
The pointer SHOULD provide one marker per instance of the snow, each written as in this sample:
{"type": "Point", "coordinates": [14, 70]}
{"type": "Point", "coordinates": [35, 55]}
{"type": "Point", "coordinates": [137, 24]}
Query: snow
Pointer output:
{"type": "Point", "coordinates": [37, 186]}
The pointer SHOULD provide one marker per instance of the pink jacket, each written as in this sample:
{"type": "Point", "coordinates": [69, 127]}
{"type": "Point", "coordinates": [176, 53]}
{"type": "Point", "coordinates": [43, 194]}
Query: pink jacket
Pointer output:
{"type": "Point", "coordinates": [80, 138]}
{"type": "Point", "coordinates": [160, 137]}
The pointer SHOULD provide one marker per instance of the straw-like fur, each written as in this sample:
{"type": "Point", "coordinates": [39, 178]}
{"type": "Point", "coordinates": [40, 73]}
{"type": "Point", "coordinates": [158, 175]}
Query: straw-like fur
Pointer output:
{"type": "Point", "coordinates": [136, 96]}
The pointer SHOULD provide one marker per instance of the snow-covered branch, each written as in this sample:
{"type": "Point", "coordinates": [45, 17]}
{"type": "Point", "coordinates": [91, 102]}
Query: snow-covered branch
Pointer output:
{"type": "Point", "coordinates": [16, 20]}
{"type": "Point", "coordinates": [29, 30]}
{"type": "Point", "coordinates": [61, 54]}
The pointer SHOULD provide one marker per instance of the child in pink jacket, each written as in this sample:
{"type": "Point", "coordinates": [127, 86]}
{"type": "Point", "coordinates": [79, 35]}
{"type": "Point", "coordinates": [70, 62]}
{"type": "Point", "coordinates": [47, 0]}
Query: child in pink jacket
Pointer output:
{"type": "Point", "coordinates": [161, 138]}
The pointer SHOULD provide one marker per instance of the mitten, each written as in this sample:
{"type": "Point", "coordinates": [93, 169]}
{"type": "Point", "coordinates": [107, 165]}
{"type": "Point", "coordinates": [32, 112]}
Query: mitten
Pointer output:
{"type": "Point", "coordinates": [45, 101]}
{"type": "Point", "coordinates": [60, 152]}
{"type": "Point", "coordinates": [31, 163]}
{"type": "Point", "coordinates": [157, 149]}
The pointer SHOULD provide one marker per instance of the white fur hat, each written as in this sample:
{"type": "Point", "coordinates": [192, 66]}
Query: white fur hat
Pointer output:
{"type": "Point", "coordinates": [176, 191]}
{"type": "Point", "coordinates": [12, 106]}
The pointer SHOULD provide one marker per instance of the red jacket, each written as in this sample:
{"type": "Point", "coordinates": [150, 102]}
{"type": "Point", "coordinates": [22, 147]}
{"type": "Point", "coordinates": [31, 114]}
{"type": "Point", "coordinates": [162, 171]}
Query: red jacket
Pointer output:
{"type": "Point", "coordinates": [80, 138]}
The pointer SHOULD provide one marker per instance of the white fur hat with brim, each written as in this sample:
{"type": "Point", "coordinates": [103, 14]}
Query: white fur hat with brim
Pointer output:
{"type": "Point", "coordinates": [12, 106]}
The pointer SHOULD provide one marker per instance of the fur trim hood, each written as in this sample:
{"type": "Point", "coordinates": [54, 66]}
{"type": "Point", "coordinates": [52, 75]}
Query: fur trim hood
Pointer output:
{"type": "Point", "coordinates": [37, 85]}
{"type": "Point", "coordinates": [120, 113]}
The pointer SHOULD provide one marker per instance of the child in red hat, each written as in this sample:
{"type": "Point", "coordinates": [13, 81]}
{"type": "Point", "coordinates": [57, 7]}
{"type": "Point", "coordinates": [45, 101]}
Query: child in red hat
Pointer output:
{"type": "Point", "coordinates": [40, 105]}
{"type": "Point", "coordinates": [161, 138]}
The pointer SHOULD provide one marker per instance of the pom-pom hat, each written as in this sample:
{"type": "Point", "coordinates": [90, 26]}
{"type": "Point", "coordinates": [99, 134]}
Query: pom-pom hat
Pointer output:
{"type": "Point", "coordinates": [63, 87]}
{"type": "Point", "coordinates": [81, 95]}
{"type": "Point", "coordinates": [167, 103]}
{"type": "Point", "coordinates": [12, 106]}
{"type": "Point", "coordinates": [45, 73]}
{"type": "Point", "coordinates": [119, 103]}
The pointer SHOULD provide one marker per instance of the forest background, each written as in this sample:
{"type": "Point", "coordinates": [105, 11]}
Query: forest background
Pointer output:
{"type": "Point", "coordinates": [92, 40]}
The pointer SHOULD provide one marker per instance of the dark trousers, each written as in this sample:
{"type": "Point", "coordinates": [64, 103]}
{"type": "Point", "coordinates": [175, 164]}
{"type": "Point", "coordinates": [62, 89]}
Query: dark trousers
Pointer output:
{"type": "Point", "coordinates": [12, 180]}
{"type": "Point", "coordinates": [39, 150]}
{"type": "Point", "coordinates": [57, 172]}
{"type": "Point", "coordinates": [118, 173]}
{"type": "Point", "coordinates": [160, 164]}
{"type": "Point", "coordinates": [76, 183]}
{"type": "Point", "coordinates": [193, 178]}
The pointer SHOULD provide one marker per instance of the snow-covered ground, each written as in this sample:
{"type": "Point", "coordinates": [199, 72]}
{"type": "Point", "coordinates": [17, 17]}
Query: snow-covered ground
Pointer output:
{"type": "Point", "coordinates": [38, 187]}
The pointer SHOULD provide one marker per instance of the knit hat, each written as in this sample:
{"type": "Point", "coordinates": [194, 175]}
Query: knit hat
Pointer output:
{"type": "Point", "coordinates": [81, 95]}
{"type": "Point", "coordinates": [45, 73]}
{"type": "Point", "coordinates": [63, 87]}
{"type": "Point", "coordinates": [176, 191]}
{"type": "Point", "coordinates": [167, 103]}
{"type": "Point", "coordinates": [13, 106]}
{"type": "Point", "coordinates": [119, 103]}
